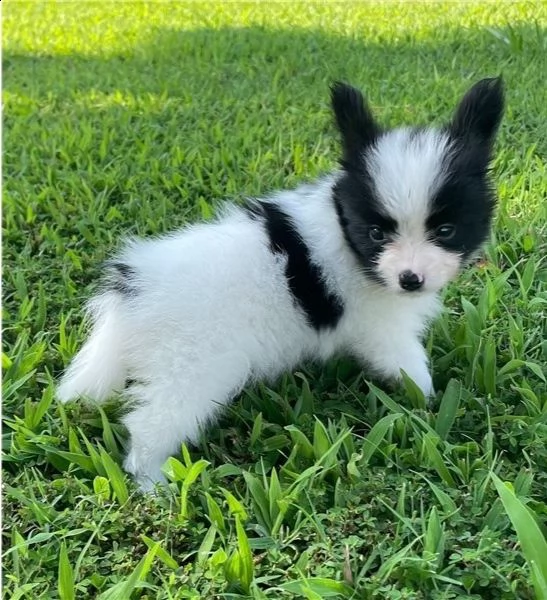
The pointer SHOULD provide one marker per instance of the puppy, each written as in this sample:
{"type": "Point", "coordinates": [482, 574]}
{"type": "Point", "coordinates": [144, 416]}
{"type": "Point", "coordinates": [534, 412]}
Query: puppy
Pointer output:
{"type": "Point", "coordinates": [351, 263]}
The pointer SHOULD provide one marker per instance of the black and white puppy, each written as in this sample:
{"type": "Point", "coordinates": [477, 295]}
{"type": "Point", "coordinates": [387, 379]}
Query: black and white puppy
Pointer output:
{"type": "Point", "coordinates": [351, 263]}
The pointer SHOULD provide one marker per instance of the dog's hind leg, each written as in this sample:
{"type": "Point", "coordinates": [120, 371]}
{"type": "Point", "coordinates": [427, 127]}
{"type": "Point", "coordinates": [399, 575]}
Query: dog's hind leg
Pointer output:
{"type": "Point", "coordinates": [162, 417]}
{"type": "Point", "coordinates": [150, 446]}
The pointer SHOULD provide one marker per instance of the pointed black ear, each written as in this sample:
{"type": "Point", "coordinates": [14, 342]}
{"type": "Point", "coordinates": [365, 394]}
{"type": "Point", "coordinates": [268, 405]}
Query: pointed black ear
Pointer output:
{"type": "Point", "coordinates": [480, 111]}
{"type": "Point", "coordinates": [354, 119]}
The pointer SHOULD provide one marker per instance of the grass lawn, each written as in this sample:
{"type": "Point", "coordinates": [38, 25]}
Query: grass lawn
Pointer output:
{"type": "Point", "coordinates": [134, 118]}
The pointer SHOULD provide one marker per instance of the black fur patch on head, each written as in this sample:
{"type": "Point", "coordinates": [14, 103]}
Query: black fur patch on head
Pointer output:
{"type": "Point", "coordinates": [121, 278]}
{"type": "Point", "coordinates": [358, 210]}
{"type": "Point", "coordinates": [465, 200]}
{"type": "Point", "coordinates": [354, 198]}
{"type": "Point", "coordinates": [323, 308]}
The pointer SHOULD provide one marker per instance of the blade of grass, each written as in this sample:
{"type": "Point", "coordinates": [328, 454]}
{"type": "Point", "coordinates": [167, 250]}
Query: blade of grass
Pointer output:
{"type": "Point", "coordinates": [532, 541]}
{"type": "Point", "coordinates": [65, 583]}
{"type": "Point", "coordinates": [448, 409]}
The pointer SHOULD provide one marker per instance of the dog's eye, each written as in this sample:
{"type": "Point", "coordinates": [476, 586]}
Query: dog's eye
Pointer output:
{"type": "Point", "coordinates": [376, 234]}
{"type": "Point", "coordinates": [445, 232]}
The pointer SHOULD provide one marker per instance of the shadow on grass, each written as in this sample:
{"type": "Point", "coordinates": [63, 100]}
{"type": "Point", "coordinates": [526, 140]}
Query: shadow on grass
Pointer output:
{"type": "Point", "coordinates": [276, 68]}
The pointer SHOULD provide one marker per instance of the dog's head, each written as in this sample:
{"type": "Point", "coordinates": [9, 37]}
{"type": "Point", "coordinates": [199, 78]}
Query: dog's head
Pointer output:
{"type": "Point", "coordinates": [416, 203]}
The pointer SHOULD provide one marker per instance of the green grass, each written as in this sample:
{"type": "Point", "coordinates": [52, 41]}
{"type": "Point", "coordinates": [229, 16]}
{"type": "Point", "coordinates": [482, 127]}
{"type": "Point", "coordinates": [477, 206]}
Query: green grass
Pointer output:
{"type": "Point", "coordinates": [126, 118]}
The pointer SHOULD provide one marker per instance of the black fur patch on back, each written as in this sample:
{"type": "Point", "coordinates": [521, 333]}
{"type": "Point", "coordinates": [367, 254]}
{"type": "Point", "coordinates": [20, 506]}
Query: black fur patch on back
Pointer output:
{"type": "Point", "coordinates": [323, 309]}
{"type": "Point", "coordinates": [121, 278]}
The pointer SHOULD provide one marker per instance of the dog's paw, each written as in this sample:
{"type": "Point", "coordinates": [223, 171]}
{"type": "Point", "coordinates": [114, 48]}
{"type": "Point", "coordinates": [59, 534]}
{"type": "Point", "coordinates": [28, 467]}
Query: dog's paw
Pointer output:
{"type": "Point", "coordinates": [422, 380]}
{"type": "Point", "coordinates": [147, 480]}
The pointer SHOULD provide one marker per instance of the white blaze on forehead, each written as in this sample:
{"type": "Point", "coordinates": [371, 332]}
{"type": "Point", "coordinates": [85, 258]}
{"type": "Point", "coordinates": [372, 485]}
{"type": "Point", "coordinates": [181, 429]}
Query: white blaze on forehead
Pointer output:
{"type": "Point", "coordinates": [407, 168]}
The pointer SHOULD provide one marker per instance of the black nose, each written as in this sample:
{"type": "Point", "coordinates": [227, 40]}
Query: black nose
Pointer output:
{"type": "Point", "coordinates": [410, 281]}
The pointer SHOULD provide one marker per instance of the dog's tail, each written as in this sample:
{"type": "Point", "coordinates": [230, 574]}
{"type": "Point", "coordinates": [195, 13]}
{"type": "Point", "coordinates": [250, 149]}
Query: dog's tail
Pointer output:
{"type": "Point", "coordinates": [98, 369]}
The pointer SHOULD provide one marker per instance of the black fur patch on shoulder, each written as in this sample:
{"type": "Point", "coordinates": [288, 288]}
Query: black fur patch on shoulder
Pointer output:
{"type": "Point", "coordinates": [121, 278]}
{"type": "Point", "coordinates": [323, 309]}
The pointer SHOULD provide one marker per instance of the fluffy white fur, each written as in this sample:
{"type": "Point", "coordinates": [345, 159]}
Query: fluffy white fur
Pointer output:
{"type": "Point", "coordinates": [212, 309]}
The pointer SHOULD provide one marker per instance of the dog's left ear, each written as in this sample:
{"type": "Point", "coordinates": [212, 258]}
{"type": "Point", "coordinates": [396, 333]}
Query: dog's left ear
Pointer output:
{"type": "Point", "coordinates": [354, 120]}
{"type": "Point", "coordinates": [480, 111]}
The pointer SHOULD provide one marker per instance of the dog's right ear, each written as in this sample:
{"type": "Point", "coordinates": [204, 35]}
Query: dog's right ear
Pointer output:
{"type": "Point", "coordinates": [354, 119]}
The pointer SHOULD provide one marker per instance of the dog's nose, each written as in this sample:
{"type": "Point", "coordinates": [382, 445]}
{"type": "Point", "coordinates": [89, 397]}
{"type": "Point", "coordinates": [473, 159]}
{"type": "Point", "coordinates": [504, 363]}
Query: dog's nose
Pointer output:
{"type": "Point", "coordinates": [410, 281]}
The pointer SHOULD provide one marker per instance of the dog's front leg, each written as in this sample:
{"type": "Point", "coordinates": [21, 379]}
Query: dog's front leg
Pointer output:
{"type": "Point", "coordinates": [388, 357]}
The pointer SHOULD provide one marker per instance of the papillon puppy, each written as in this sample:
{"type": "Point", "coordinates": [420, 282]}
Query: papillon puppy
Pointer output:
{"type": "Point", "coordinates": [352, 263]}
